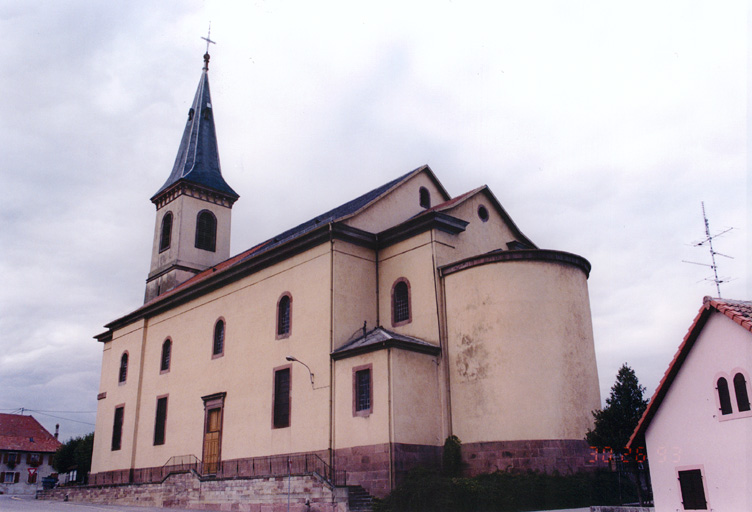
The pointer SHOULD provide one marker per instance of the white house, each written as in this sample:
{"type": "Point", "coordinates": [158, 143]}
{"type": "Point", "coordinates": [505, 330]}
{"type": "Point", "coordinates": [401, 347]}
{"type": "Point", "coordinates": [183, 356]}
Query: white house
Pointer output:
{"type": "Point", "coordinates": [698, 426]}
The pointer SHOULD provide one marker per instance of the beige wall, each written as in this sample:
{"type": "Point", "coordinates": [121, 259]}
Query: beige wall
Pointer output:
{"type": "Point", "coordinates": [520, 350]}
{"type": "Point", "coordinates": [128, 340]}
{"type": "Point", "coordinates": [354, 292]}
{"type": "Point", "coordinates": [351, 430]}
{"type": "Point", "coordinates": [244, 372]}
{"type": "Point", "coordinates": [411, 259]}
{"type": "Point", "coordinates": [479, 237]}
{"type": "Point", "coordinates": [397, 206]}
{"type": "Point", "coordinates": [415, 397]}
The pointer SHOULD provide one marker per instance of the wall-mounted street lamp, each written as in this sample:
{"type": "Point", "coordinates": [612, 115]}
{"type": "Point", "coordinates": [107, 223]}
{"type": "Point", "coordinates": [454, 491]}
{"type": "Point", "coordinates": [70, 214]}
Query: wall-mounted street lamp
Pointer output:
{"type": "Point", "coordinates": [296, 360]}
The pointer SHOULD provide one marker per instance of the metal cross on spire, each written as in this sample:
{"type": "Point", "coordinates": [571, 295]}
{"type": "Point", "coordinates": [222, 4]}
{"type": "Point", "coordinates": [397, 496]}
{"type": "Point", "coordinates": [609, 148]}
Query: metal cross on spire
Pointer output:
{"type": "Point", "coordinates": [206, 55]}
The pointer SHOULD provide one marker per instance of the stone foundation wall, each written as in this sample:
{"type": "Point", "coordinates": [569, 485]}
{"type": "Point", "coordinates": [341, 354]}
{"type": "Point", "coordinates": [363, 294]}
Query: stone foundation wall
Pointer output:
{"type": "Point", "coordinates": [368, 466]}
{"type": "Point", "coordinates": [562, 455]}
{"type": "Point", "coordinates": [187, 490]}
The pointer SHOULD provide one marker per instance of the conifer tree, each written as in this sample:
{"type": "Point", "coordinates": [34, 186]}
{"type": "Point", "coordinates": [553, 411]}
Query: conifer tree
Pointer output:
{"type": "Point", "coordinates": [615, 423]}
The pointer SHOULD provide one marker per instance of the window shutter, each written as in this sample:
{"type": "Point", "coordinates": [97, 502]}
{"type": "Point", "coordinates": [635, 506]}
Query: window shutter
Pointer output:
{"type": "Point", "coordinates": [15, 480]}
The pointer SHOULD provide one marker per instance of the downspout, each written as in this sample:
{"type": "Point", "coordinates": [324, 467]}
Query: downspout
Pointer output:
{"type": "Point", "coordinates": [331, 347]}
{"type": "Point", "coordinates": [138, 395]}
{"type": "Point", "coordinates": [391, 419]}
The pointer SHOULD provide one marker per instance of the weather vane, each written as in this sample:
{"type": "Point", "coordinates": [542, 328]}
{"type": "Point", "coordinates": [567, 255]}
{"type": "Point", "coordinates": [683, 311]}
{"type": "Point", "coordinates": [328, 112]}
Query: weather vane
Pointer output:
{"type": "Point", "coordinates": [208, 40]}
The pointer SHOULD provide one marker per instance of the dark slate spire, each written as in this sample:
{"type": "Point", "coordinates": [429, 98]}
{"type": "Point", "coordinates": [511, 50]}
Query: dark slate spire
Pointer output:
{"type": "Point", "coordinates": [197, 162]}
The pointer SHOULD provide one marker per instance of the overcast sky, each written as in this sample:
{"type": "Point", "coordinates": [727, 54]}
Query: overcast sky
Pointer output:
{"type": "Point", "coordinates": [600, 127]}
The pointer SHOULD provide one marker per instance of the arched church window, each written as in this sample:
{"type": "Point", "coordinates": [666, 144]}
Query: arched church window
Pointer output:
{"type": "Point", "coordinates": [425, 197]}
{"type": "Point", "coordinates": [723, 396]}
{"type": "Point", "coordinates": [740, 388]}
{"type": "Point", "coordinates": [165, 235]}
{"type": "Point", "coordinates": [284, 316]}
{"type": "Point", "coordinates": [218, 347]}
{"type": "Point", "coordinates": [206, 231]}
{"type": "Point", "coordinates": [401, 302]}
{"type": "Point", "coordinates": [123, 373]}
{"type": "Point", "coordinates": [164, 362]}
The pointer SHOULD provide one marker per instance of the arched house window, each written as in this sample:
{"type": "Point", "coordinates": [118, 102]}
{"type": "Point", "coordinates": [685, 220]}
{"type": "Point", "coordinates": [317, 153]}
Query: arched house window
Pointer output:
{"type": "Point", "coordinates": [164, 361]}
{"type": "Point", "coordinates": [724, 399]}
{"type": "Point", "coordinates": [218, 345]}
{"type": "Point", "coordinates": [284, 316]}
{"type": "Point", "coordinates": [401, 313]}
{"type": "Point", "coordinates": [206, 231]}
{"type": "Point", "coordinates": [740, 390]}
{"type": "Point", "coordinates": [165, 235]}
{"type": "Point", "coordinates": [123, 372]}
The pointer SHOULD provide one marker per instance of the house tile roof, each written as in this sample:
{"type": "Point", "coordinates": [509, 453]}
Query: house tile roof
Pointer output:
{"type": "Point", "coordinates": [740, 311]}
{"type": "Point", "coordinates": [25, 434]}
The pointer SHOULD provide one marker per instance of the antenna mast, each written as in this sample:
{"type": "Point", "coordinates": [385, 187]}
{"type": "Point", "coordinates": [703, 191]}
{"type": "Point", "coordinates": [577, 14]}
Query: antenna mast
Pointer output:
{"type": "Point", "coordinates": [709, 240]}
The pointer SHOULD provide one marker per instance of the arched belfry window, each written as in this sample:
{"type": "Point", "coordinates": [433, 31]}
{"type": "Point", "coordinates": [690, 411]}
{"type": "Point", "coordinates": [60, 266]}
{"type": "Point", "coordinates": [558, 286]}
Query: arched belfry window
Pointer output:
{"type": "Point", "coordinates": [165, 235]}
{"type": "Point", "coordinates": [740, 389]}
{"type": "Point", "coordinates": [284, 316]}
{"type": "Point", "coordinates": [425, 197]}
{"type": "Point", "coordinates": [123, 373]}
{"type": "Point", "coordinates": [164, 361]}
{"type": "Point", "coordinates": [206, 231]}
{"type": "Point", "coordinates": [218, 347]}
{"type": "Point", "coordinates": [723, 396]}
{"type": "Point", "coordinates": [401, 302]}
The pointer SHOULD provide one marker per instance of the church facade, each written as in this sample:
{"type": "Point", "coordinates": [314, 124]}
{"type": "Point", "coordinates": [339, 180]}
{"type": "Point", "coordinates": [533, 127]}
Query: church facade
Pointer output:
{"type": "Point", "coordinates": [363, 337]}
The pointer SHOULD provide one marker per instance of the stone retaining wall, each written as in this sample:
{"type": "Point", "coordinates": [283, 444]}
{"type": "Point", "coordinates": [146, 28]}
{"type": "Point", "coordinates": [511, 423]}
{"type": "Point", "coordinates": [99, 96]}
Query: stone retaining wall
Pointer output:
{"type": "Point", "coordinates": [187, 490]}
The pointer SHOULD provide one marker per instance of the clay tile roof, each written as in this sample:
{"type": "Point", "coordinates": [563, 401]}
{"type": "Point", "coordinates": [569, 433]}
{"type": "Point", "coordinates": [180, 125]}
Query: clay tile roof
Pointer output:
{"type": "Point", "coordinates": [25, 434]}
{"type": "Point", "coordinates": [740, 311]}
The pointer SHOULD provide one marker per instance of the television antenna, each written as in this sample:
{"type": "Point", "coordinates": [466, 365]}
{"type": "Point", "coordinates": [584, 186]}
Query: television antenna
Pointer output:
{"type": "Point", "coordinates": [709, 241]}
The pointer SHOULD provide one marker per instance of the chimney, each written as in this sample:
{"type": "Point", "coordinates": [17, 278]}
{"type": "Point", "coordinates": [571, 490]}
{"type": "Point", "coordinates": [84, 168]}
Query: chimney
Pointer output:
{"type": "Point", "coordinates": [57, 430]}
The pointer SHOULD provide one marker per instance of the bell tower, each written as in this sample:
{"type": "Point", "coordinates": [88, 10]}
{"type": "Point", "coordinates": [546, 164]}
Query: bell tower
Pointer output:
{"type": "Point", "coordinates": [192, 230]}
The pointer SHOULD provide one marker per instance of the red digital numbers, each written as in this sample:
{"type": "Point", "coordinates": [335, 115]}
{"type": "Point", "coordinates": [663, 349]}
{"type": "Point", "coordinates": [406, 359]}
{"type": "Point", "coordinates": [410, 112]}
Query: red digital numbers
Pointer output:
{"type": "Point", "coordinates": [606, 455]}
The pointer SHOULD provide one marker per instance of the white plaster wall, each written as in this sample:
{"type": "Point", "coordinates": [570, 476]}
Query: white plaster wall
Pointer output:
{"type": "Point", "coordinates": [686, 431]}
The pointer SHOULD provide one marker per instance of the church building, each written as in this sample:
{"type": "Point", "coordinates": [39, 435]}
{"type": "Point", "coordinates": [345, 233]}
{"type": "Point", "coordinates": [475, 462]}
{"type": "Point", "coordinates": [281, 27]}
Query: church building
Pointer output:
{"type": "Point", "coordinates": [356, 342]}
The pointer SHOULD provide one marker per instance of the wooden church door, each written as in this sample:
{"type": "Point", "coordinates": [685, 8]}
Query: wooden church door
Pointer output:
{"type": "Point", "coordinates": [213, 406]}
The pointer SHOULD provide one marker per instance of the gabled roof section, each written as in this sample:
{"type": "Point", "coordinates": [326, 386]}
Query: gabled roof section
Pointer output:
{"type": "Point", "coordinates": [452, 203]}
{"type": "Point", "coordinates": [197, 161]}
{"type": "Point", "coordinates": [740, 311]}
{"type": "Point", "coordinates": [25, 434]}
{"type": "Point", "coordinates": [380, 338]}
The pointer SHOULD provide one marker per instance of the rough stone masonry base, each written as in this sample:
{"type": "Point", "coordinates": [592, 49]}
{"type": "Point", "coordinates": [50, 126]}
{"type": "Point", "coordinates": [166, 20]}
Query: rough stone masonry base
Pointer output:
{"type": "Point", "coordinates": [187, 490]}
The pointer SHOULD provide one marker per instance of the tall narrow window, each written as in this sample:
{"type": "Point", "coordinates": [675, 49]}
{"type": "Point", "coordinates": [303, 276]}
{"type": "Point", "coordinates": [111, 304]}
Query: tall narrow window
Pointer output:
{"type": "Point", "coordinates": [165, 235]}
{"type": "Point", "coordinates": [206, 231]}
{"type": "Point", "coordinates": [425, 197]}
{"type": "Point", "coordinates": [401, 302]}
{"type": "Point", "coordinates": [284, 316]}
{"type": "Point", "coordinates": [692, 490]}
{"type": "Point", "coordinates": [164, 362]}
{"type": "Point", "coordinates": [160, 421]}
{"type": "Point", "coordinates": [281, 407]}
{"type": "Point", "coordinates": [740, 388]}
{"type": "Point", "coordinates": [117, 428]}
{"type": "Point", "coordinates": [362, 391]}
{"type": "Point", "coordinates": [123, 373]}
{"type": "Point", "coordinates": [218, 348]}
{"type": "Point", "coordinates": [723, 396]}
